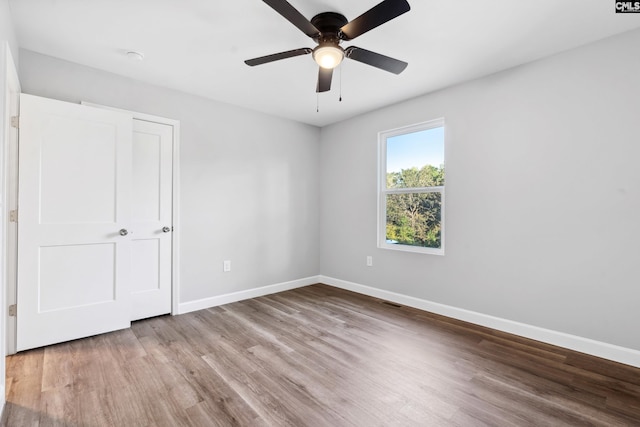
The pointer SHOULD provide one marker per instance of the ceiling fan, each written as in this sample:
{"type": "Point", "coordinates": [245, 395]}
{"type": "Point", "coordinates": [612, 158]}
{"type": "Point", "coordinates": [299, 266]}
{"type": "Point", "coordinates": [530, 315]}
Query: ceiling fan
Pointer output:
{"type": "Point", "coordinates": [329, 29]}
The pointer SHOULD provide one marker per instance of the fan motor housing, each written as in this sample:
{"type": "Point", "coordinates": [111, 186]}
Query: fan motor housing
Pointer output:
{"type": "Point", "coordinates": [329, 24]}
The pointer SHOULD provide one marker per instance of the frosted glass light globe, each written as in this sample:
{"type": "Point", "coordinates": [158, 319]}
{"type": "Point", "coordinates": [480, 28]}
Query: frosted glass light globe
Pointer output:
{"type": "Point", "coordinates": [328, 56]}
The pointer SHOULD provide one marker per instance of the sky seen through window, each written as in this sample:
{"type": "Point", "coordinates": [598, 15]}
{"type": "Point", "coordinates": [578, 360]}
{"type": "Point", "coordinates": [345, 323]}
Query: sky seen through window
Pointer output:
{"type": "Point", "coordinates": [416, 149]}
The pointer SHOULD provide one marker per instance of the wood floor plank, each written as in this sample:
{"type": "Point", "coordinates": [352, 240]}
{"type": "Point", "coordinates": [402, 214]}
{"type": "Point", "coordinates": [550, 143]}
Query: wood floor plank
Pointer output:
{"type": "Point", "coordinates": [57, 369]}
{"type": "Point", "coordinates": [315, 356]}
{"type": "Point", "coordinates": [24, 396]}
{"type": "Point", "coordinates": [60, 407]}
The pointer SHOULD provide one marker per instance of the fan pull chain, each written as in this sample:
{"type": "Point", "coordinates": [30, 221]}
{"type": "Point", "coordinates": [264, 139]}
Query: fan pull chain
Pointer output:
{"type": "Point", "coordinates": [317, 102]}
{"type": "Point", "coordinates": [340, 99]}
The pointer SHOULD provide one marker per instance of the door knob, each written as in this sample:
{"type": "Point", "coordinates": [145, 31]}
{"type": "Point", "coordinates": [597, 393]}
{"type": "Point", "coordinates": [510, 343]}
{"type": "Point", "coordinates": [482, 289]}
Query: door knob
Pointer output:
{"type": "Point", "coordinates": [166, 229]}
{"type": "Point", "coordinates": [123, 232]}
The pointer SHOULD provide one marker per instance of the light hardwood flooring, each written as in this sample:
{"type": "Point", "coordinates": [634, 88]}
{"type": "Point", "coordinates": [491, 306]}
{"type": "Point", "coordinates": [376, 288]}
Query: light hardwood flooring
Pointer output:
{"type": "Point", "coordinates": [315, 356]}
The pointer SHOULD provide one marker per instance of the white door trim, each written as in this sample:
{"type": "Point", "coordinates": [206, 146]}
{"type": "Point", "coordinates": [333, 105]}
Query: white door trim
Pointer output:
{"type": "Point", "coordinates": [9, 202]}
{"type": "Point", "coordinates": [175, 252]}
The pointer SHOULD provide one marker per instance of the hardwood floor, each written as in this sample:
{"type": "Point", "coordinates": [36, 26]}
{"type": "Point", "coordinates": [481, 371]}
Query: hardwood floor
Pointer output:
{"type": "Point", "coordinates": [315, 356]}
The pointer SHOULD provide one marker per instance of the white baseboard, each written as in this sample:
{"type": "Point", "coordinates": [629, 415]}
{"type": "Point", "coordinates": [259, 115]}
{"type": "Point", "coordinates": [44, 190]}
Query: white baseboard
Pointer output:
{"type": "Point", "coordinates": [201, 304]}
{"type": "Point", "coordinates": [584, 345]}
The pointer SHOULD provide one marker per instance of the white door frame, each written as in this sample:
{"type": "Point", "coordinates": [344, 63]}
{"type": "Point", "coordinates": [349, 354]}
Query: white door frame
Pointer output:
{"type": "Point", "coordinates": [175, 250]}
{"type": "Point", "coordinates": [9, 202]}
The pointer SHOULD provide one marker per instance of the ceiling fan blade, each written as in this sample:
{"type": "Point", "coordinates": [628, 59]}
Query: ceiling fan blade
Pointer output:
{"type": "Point", "coordinates": [292, 15]}
{"type": "Point", "coordinates": [278, 56]}
{"type": "Point", "coordinates": [376, 16]}
{"type": "Point", "coordinates": [375, 59]}
{"type": "Point", "coordinates": [324, 79]}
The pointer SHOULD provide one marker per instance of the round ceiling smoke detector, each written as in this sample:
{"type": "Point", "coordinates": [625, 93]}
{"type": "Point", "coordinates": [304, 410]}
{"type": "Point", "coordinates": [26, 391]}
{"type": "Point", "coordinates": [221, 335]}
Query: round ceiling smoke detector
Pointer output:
{"type": "Point", "coordinates": [135, 56]}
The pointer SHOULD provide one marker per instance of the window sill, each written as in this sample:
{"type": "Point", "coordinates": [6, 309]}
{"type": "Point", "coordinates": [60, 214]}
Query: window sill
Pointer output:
{"type": "Point", "coordinates": [414, 249]}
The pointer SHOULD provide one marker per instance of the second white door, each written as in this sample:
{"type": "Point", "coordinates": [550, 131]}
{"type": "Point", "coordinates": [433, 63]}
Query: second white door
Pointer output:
{"type": "Point", "coordinates": [151, 219]}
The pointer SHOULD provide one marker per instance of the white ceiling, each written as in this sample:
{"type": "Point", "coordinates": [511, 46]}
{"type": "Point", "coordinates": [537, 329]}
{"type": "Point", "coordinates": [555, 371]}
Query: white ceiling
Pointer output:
{"type": "Point", "coordinates": [198, 46]}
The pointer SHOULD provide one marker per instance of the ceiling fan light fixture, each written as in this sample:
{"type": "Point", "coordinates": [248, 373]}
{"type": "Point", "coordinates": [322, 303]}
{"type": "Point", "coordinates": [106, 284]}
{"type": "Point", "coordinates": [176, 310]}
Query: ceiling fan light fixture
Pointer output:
{"type": "Point", "coordinates": [328, 56]}
{"type": "Point", "coordinates": [328, 30]}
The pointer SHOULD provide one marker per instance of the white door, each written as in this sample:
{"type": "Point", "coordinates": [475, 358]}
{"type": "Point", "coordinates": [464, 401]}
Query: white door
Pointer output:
{"type": "Point", "coordinates": [74, 205]}
{"type": "Point", "coordinates": [151, 219]}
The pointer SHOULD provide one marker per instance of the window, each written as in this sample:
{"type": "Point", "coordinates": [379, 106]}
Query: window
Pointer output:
{"type": "Point", "coordinates": [411, 182]}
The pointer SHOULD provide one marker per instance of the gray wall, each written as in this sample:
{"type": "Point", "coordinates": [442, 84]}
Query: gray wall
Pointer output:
{"type": "Point", "coordinates": [249, 181]}
{"type": "Point", "coordinates": [542, 195]}
{"type": "Point", "coordinates": [6, 29]}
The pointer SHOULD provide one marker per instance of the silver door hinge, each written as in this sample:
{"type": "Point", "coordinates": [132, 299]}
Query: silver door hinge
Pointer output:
{"type": "Point", "coordinates": [13, 216]}
{"type": "Point", "coordinates": [15, 122]}
{"type": "Point", "coordinates": [13, 310]}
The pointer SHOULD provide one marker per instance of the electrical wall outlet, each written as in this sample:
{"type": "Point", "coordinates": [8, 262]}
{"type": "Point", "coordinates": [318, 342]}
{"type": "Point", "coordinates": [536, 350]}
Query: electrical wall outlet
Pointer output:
{"type": "Point", "coordinates": [226, 266]}
{"type": "Point", "coordinates": [369, 261]}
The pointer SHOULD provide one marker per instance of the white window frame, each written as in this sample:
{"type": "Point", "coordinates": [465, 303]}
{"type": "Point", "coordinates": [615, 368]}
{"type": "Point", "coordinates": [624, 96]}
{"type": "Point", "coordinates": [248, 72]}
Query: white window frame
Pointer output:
{"type": "Point", "coordinates": [383, 191]}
